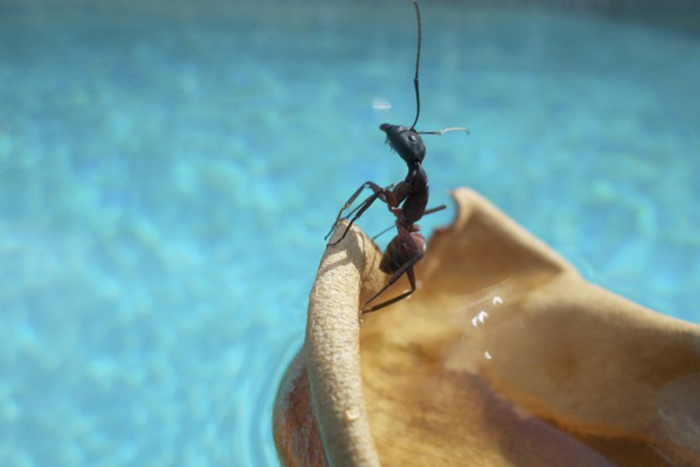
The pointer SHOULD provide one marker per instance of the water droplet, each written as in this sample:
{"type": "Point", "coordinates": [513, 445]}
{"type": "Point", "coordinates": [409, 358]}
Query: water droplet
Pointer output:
{"type": "Point", "coordinates": [379, 103]}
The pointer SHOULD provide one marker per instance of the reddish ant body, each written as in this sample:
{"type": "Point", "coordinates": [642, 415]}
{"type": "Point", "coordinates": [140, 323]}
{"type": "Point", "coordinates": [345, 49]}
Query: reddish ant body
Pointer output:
{"type": "Point", "coordinates": [407, 200]}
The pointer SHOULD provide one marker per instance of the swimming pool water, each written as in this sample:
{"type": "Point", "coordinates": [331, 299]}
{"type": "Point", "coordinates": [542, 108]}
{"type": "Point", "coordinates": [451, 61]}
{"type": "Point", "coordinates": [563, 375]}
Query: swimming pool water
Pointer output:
{"type": "Point", "coordinates": [167, 174]}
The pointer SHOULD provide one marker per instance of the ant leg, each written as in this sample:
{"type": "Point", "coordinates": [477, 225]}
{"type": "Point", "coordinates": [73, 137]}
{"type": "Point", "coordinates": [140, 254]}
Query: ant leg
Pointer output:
{"type": "Point", "coordinates": [389, 202]}
{"type": "Point", "coordinates": [383, 232]}
{"type": "Point", "coordinates": [408, 269]}
{"type": "Point", "coordinates": [435, 209]}
{"type": "Point", "coordinates": [379, 192]}
{"type": "Point", "coordinates": [345, 206]}
{"type": "Point", "coordinates": [398, 190]}
{"type": "Point", "coordinates": [358, 207]}
{"type": "Point", "coordinates": [376, 188]}
{"type": "Point", "coordinates": [368, 202]}
{"type": "Point", "coordinates": [429, 211]}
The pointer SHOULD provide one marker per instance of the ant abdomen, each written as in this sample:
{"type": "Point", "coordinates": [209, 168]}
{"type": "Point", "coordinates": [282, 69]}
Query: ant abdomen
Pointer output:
{"type": "Point", "coordinates": [398, 252]}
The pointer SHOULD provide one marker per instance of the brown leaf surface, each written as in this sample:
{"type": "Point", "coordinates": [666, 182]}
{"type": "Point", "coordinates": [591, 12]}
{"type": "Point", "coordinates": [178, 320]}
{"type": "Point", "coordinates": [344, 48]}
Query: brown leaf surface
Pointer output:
{"type": "Point", "coordinates": [504, 356]}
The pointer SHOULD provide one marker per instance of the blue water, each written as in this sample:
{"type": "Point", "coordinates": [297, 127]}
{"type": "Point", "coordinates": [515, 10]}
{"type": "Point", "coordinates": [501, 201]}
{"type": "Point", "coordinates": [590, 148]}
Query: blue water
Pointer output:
{"type": "Point", "coordinates": [167, 174]}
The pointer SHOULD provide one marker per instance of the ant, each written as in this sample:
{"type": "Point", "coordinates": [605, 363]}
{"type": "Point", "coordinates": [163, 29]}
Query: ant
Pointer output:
{"type": "Point", "coordinates": [407, 200]}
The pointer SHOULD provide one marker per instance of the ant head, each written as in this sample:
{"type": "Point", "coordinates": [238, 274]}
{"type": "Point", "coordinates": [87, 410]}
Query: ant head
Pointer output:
{"type": "Point", "coordinates": [405, 141]}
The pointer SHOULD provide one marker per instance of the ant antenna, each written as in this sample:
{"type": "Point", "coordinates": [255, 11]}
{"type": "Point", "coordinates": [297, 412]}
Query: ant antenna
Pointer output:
{"type": "Point", "coordinates": [415, 84]}
{"type": "Point", "coordinates": [415, 80]}
{"type": "Point", "coordinates": [444, 130]}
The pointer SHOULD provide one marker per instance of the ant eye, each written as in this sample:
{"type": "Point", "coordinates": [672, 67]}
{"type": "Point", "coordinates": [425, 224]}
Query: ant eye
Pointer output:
{"type": "Point", "coordinates": [412, 138]}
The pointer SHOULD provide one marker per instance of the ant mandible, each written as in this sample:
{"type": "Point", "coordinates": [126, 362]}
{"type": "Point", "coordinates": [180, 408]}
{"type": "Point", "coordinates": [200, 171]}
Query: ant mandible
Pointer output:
{"type": "Point", "coordinates": [407, 200]}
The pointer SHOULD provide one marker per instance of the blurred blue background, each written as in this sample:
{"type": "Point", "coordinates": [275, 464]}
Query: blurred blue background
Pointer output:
{"type": "Point", "coordinates": [168, 171]}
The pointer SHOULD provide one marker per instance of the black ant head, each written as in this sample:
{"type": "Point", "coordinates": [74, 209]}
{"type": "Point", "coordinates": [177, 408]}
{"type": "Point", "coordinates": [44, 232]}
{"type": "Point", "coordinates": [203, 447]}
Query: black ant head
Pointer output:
{"type": "Point", "coordinates": [406, 142]}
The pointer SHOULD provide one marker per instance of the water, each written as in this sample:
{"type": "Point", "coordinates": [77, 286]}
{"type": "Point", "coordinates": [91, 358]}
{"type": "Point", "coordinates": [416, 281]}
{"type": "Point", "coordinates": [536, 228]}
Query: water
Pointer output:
{"type": "Point", "coordinates": [167, 173]}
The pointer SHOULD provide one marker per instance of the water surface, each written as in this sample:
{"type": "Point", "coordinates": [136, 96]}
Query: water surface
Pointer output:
{"type": "Point", "coordinates": [167, 175]}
